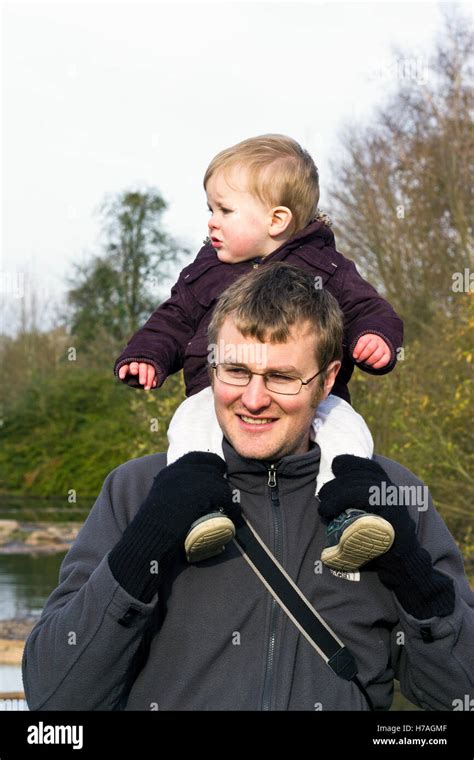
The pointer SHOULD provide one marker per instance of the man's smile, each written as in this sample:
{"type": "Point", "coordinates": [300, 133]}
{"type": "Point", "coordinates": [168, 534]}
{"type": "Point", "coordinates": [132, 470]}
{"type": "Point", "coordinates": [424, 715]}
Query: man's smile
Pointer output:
{"type": "Point", "coordinates": [248, 422]}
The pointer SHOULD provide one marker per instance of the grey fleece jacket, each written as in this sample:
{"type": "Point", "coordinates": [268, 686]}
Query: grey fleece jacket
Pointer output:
{"type": "Point", "coordinates": [218, 640]}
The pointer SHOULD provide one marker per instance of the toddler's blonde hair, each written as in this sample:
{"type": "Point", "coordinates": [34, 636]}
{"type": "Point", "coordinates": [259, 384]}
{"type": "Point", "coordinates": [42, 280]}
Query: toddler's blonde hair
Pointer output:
{"type": "Point", "coordinates": [280, 173]}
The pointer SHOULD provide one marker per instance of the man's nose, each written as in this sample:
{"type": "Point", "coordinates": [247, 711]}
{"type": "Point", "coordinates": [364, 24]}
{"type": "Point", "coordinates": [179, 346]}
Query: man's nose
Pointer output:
{"type": "Point", "coordinates": [256, 395]}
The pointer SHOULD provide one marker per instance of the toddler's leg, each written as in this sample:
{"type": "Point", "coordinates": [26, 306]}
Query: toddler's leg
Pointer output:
{"type": "Point", "coordinates": [338, 429]}
{"type": "Point", "coordinates": [194, 427]}
{"type": "Point", "coordinates": [354, 537]}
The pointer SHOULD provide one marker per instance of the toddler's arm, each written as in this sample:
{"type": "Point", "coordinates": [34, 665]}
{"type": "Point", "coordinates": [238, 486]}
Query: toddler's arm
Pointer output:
{"type": "Point", "coordinates": [371, 324]}
{"type": "Point", "coordinates": [162, 340]}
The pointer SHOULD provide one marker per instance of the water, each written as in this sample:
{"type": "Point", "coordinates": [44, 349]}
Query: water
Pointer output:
{"type": "Point", "coordinates": [11, 682]}
{"type": "Point", "coordinates": [26, 581]}
{"type": "Point", "coordinates": [10, 678]}
{"type": "Point", "coordinates": [38, 509]}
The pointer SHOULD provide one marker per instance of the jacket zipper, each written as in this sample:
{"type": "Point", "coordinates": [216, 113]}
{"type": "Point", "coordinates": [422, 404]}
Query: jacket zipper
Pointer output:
{"type": "Point", "coordinates": [271, 644]}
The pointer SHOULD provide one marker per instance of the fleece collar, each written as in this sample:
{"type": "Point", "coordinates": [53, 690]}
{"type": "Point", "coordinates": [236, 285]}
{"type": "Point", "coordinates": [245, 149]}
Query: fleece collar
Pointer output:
{"type": "Point", "coordinates": [293, 471]}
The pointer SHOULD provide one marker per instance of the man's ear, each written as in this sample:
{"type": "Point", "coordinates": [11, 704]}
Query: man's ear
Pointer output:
{"type": "Point", "coordinates": [331, 373]}
{"type": "Point", "coordinates": [281, 218]}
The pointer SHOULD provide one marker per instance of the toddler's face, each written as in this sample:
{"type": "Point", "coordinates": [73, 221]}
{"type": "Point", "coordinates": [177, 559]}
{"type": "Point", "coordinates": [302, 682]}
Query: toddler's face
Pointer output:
{"type": "Point", "coordinates": [240, 222]}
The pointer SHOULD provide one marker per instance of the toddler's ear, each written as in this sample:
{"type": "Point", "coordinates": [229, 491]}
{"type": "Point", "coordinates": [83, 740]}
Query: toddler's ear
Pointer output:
{"type": "Point", "coordinates": [280, 221]}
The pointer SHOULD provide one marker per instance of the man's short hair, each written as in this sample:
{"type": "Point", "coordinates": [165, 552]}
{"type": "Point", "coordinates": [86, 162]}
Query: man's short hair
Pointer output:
{"type": "Point", "coordinates": [280, 173]}
{"type": "Point", "coordinates": [267, 303]}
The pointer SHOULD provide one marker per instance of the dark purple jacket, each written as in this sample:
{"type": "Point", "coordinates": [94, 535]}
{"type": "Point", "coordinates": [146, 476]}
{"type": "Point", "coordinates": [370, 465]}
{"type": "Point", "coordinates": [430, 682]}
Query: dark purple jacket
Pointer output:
{"type": "Point", "coordinates": [175, 336]}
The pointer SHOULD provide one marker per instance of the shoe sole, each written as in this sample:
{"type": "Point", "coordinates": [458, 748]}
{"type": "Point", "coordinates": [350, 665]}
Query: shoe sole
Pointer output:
{"type": "Point", "coordinates": [208, 538]}
{"type": "Point", "coordinates": [368, 537]}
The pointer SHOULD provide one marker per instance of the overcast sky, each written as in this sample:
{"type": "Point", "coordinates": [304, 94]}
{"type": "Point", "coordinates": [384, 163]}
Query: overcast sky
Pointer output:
{"type": "Point", "coordinates": [102, 97]}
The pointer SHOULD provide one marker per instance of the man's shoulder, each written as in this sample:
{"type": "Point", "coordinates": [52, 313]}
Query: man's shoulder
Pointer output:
{"type": "Point", "coordinates": [142, 468]}
{"type": "Point", "coordinates": [396, 471]}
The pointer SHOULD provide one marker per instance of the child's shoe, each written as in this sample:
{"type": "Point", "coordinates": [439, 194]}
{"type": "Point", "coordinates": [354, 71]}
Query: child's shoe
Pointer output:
{"type": "Point", "coordinates": [208, 536]}
{"type": "Point", "coordinates": [354, 538]}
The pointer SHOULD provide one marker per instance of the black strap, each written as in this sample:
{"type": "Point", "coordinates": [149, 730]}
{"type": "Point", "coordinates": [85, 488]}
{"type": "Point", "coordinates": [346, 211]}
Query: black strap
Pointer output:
{"type": "Point", "coordinates": [316, 631]}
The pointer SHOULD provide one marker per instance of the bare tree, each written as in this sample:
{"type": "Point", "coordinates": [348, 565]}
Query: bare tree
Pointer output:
{"type": "Point", "coordinates": [401, 197]}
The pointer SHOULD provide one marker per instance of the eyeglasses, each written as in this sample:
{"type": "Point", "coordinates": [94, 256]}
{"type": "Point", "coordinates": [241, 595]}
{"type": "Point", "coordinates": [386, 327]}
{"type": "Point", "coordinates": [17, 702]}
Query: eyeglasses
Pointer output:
{"type": "Point", "coordinates": [274, 381]}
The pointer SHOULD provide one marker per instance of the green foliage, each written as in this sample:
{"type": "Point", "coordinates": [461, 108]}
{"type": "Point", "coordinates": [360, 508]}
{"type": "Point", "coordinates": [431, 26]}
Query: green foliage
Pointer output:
{"type": "Point", "coordinates": [26, 359]}
{"type": "Point", "coordinates": [98, 307]}
{"type": "Point", "coordinates": [421, 414]}
{"type": "Point", "coordinates": [67, 423]}
{"type": "Point", "coordinates": [76, 426]}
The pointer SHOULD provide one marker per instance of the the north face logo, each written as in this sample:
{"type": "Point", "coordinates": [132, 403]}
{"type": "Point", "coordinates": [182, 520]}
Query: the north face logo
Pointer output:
{"type": "Point", "coordinates": [348, 576]}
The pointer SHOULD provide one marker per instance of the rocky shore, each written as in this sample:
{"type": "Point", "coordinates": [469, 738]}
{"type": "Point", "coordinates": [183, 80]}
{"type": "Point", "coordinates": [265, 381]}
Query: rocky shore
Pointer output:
{"type": "Point", "coordinates": [28, 538]}
{"type": "Point", "coordinates": [13, 634]}
{"type": "Point", "coordinates": [36, 538]}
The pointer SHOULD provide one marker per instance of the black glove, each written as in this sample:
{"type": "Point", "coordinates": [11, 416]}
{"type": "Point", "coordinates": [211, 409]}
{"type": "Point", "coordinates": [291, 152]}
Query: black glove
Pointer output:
{"type": "Point", "coordinates": [406, 568]}
{"type": "Point", "coordinates": [189, 488]}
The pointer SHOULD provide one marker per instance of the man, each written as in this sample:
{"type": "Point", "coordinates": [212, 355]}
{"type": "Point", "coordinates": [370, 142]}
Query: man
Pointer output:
{"type": "Point", "coordinates": [133, 626]}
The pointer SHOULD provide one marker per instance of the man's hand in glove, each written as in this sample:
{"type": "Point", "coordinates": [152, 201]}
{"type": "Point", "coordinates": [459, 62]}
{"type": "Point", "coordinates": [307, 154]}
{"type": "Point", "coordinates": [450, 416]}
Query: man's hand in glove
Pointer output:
{"type": "Point", "coordinates": [189, 488]}
{"type": "Point", "coordinates": [406, 568]}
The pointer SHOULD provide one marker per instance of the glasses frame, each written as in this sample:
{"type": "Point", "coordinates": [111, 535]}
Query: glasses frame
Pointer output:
{"type": "Point", "coordinates": [215, 365]}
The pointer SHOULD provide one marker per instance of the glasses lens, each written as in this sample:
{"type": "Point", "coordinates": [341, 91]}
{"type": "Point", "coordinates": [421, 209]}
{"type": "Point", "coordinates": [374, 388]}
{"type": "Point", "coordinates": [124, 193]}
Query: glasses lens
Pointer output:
{"type": "Point", "coordinates": [232, 375]}
{"type": "Point", "coordinates": [289, 386]}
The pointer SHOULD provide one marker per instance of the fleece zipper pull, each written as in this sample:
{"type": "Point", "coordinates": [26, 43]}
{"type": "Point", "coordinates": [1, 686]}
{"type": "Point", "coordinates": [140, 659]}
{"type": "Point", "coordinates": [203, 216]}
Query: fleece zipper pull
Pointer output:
{"type": "Point", "coordinates": [272, 476]}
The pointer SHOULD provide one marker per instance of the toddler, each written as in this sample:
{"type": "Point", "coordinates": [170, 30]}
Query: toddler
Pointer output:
{"type": "Point", "coordinates": [262, 196]}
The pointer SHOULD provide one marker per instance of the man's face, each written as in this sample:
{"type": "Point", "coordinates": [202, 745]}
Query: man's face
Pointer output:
{"type": "Point", "coordinates": [239, 223]}
{"type": "Point", "coordinates": [286, 419]}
